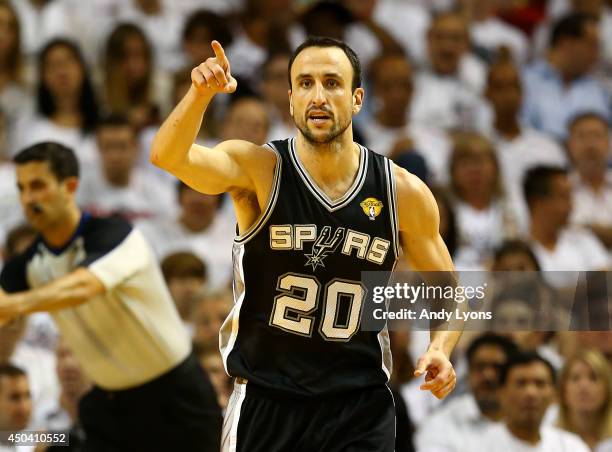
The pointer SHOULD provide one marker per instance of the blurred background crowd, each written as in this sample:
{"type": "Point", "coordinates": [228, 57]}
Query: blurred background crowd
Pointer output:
{"type": "Point", "coordinates": [502, 107]}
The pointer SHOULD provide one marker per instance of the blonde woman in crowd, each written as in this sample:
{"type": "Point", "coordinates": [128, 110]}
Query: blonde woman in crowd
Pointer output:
{"type": "Point", "coordinates": [585, 399]}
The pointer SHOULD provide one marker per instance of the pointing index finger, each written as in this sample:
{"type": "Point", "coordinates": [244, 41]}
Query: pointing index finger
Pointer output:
{"type": "Point", "coordinates": [220, 54]}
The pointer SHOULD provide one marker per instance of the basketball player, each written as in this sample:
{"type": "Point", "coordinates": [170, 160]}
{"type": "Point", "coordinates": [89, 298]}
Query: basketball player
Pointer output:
{"type": "Point", "coordinates": [313, 213]}
{"type": "Point", "coordinates": [103, 286]}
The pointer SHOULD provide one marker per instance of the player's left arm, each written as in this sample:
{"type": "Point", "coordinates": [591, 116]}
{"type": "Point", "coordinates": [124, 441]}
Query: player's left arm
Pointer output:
{"type": "Point", "coordinates": [425, 251]}
{"type": "Point", "coordinates": [67, 291]}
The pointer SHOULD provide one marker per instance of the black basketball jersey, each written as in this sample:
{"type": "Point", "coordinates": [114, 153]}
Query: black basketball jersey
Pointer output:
{"type": "Point", "coordinates": [295, 325]}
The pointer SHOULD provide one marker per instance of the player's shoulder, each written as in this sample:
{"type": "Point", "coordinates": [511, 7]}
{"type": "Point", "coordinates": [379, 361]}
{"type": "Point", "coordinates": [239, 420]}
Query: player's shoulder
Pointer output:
{"type": "Point", "coordinates": [409, 187]}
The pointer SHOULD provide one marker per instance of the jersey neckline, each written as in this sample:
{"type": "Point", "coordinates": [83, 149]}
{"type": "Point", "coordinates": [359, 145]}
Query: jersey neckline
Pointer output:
{"type": "Point", "coordinates": [329, 204]}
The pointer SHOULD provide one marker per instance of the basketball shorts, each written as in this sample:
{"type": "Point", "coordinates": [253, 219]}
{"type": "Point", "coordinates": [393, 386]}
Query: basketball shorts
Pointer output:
{"type": "Point", "coordinates": [177, 411]}
{"type": "Point", "coordinates": [262, 420]}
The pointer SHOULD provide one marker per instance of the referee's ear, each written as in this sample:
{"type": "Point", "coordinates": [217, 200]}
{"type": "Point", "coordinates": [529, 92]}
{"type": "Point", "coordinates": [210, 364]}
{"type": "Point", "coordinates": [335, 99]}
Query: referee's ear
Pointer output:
{"type": "Point", "coordinates": [72, 184]}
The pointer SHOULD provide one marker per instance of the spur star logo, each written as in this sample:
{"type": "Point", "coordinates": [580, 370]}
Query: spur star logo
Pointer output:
{"type": "Point", "coordinates": [324, 245]}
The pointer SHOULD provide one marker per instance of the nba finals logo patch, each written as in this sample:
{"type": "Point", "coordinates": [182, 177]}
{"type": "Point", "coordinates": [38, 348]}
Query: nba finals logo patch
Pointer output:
{"type": "Point", "coordinates": [371, 207]}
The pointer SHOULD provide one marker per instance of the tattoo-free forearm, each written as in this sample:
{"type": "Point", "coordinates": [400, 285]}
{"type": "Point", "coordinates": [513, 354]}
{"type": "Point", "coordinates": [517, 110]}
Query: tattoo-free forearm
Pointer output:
{"type": "Point", "coordinates": [65, 292]}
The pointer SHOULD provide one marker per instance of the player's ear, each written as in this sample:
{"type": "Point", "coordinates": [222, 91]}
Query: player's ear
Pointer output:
{"type": "Point", "coordinates": [290, 103]}
{"type": "Point", "coordinates": [358, 100]}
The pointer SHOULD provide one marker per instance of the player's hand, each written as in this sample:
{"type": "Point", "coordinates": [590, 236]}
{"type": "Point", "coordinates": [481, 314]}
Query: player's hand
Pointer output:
{"type": "Point", "coordinates": [440, 376]}
{"type": "Point", "coordinates": [213, 76]}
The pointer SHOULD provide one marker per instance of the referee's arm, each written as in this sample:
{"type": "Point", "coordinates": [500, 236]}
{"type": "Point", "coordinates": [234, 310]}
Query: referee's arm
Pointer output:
{"type": "Point", "coordinates": [67, 291]}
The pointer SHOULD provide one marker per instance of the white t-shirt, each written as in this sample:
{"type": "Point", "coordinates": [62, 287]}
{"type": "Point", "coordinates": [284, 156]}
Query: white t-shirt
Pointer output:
{"type": "Point", "coordinates": [213, 246]}
{"type": "Point", "coordinates": [432, 144]}
{"type": "Point", "coordinates": [39, 364]}
{"type": "Point", "coordinates": [446, 103]}
{"type": "Point", "coordinates": [498, 438]}
{"type": "Point", "coordinates": [143, 198]}
{"type": "Point", "coordinates": [528, 150]}
{"type": "Point", "coordinates": [493, 33]}
{"type": "Point", "coordinates": [35, 129]}
{"type": "Point", "coordinates": [576, 250]}
{"type": "Point", "coordinates": [589, 207]}
{"type": "Point", "coordinates": [458, 419]}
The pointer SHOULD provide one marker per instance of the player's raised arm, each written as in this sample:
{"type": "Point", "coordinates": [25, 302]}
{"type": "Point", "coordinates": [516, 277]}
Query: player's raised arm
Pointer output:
{"type": "Point", "coordinates": [215, 170]}
{"type": "Point", "coordinates": [423, 247]}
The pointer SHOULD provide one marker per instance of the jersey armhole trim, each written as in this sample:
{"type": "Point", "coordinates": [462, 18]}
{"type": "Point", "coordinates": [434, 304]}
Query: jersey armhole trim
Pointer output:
{"type": "Point", "coordinates": [254, 229]}
{"type": "Point", "coordinates": [392, 200]}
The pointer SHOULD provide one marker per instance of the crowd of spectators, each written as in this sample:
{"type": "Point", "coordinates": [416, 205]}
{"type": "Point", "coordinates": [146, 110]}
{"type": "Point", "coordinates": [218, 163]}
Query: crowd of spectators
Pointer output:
{"type": "Point", "coordinates": [502, 107]}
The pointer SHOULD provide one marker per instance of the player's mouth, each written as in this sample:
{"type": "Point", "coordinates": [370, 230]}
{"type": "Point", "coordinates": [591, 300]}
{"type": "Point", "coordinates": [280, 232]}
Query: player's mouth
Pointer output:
{"type": "Point", "coordinates": [319, 117]}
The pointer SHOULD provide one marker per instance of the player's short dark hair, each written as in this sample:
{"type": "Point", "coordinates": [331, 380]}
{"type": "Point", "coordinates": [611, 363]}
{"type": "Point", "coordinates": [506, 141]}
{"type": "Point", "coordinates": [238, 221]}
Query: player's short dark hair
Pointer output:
{"type": "Point", "coordinates": [183, 265]}
{"type": "Point", "coordinates": [491, 339]}
{"type": "Point", "coordinates": [515, 247]}
{"type": "Point", "coordinates": [570, 26]}
{"type": "Point", "coordinates": [216, 25]}
{"type": "Point", "coordinates": [574, 120]}
{"type": "Point", "coordinates": [61, 159]}
{"type": "Point", "coordinates": [536, 183]}
{"type": "Point", "coordinates": [524, 359]}
{"type": "Point", "coordinates": [321, 41]}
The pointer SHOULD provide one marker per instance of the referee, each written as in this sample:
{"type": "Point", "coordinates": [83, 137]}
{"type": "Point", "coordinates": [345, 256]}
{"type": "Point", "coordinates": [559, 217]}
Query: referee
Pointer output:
{"type": "Point", "coordinates": [106, 293]}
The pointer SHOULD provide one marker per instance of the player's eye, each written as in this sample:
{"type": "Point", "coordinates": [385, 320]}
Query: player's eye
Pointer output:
{"type": "Point", "coordinates": [331, 83]}
{"type": "Point", "coordinates": [306, 83]}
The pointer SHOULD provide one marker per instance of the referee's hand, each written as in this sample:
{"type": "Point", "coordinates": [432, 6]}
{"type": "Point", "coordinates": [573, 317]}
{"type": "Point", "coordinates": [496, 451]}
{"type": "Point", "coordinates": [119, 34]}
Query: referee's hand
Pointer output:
{"type": "Point", "coordinates": [213, 75]}
{"type": "Point", "coordinates": [440, 376]}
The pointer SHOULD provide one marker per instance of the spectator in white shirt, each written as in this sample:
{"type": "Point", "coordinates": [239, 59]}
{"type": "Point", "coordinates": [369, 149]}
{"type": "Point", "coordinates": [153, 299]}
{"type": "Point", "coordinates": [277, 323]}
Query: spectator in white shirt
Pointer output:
{"type": "Point", "coordinates": [15, 403]}
{"type": "Point", "coordinates": [132, 86]}
{"type": "Point", "coordinates": [589, 148]}
{"type": "Point", "coordinates": [246, 119]}
{"type": "Point", "coordinates": [483, 216]}
{"type": "Point", "coordinates": [585, 397]}
{"type": "Point", "coordinates": [471, 413]}
{"type": "Point", "coordinates": [66, 109]}
{"type": "Point", "coordinates": [37, 362]}
{"type": "Point", "coordinates": [527, 389]}
{"type": "Point", "coordinates": [489, 33]}
{"type": "Point", "coordinates": [518, 147]}
{"type": "Point", "coordinates": [557, 246]}
{"type": "Point", "coordinates": [389, 131]}
{"type": "Point", "coordinates": [154, 16]}
{"type": "Point", "coordinates": [116, 185]}
{"type": "Point", "coordinates": [446, 94]}
{"type": "Point", "coordinates": [202, 226]}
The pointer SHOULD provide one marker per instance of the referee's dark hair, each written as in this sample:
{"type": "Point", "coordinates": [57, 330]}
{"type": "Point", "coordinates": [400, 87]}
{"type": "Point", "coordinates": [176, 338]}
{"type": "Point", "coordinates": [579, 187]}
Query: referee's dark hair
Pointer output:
{"type": "Point", "coordinates": [525, 359]}
{"type": "Point", "coordinates": [321, 41]}
{"type": "Point", "coordinates": [61, 159]}
{"type": "Point", "coordinates": [491, 339]}
{"type": "Point", "coordinates": [536, 183]}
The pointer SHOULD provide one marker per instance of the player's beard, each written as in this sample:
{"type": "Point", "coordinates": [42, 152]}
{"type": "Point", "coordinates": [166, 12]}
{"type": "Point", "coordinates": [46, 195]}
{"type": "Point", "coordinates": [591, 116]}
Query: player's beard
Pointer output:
{"type": "Point", "coordinates": [335, 131]}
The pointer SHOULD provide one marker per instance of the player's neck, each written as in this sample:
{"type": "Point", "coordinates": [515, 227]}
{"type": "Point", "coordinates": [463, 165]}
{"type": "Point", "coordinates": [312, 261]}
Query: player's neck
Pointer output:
{"type": "Point", "coordinates": [58, 235]}
{"type": "Point", "coordinates": [330, 162]}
